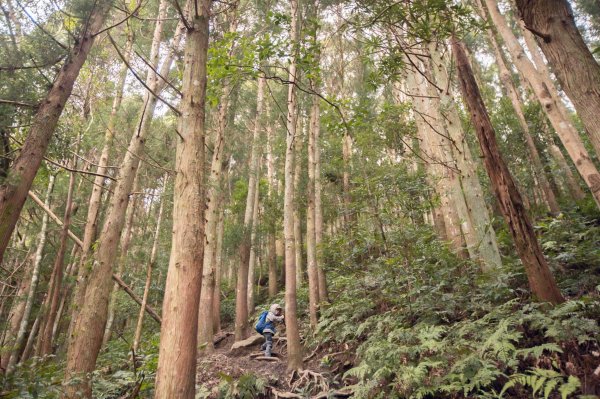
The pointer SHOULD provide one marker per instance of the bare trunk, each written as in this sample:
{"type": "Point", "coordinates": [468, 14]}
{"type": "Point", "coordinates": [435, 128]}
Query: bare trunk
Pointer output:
{"type": "Point", "coordinates": [298, 144]}
{"type": "Point", "coordinates": [551, 105]}
{"type": "Point", "coordinates": [538, 167]}
{"type": "Point", "coordinates": [271, 240]}
{"type": "Point", "coordinates": [13, 358]}
{"type": "Point", "coordinates": [272, 265]}
{"type": "Point", "coordinates": [347, 155]}
{"type": "Point", "coordinates": [149, 267]}
{"type": "Point", "coordinates": [480, 235]}
{"type": "Point", "coordinates": [440, 175]}
{"type": "Point", "coordinates": [218, 269]}
{"type": "Point", "coordinates": [323, 294]}
{"type": "Point", "coordinates": [57, 274]}
{"type": "Point", "coordinates": [253, 250]}
{"type": "Point", "coordinates": [207, 309]}
{"type": "Point", "coordinates": [574, 65]}
{"type": "Point", "coordinates": [176, 374]}
{"type": "Point", "coordinates": [13, 191]}
{"type": "Point", "coordinates": [311, 250]}
{"type": "Point", "coordinates": [122, 259]}
{"type": "Point", "coordinates": [241, 293]}
{"type": "Point", "coordinates": [91, 225]}
{"type": "Point", "coordinates": [88, 328]}
{"type": "Point", "coordinates": [540, 278]}
{"type": "Point", "coordinates": [291, 321]}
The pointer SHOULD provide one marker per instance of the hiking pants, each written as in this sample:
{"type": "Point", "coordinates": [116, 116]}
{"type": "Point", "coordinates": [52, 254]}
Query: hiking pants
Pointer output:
{"type": "Point", "coordinates": [268, 345]}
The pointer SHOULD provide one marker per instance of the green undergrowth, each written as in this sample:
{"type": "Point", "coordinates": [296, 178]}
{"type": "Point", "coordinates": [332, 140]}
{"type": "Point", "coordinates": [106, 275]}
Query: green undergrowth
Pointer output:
{"type": "Point", "coordinates": [424, 323]}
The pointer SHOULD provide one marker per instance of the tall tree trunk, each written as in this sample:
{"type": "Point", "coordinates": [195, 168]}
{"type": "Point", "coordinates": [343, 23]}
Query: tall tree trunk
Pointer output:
{"type": "Point", "coordinates": [13, 191]}
{"type": "Point", "coordinates": [121, 260]}
{"type": "Point", "coordinates": [176, 374]}
{"type": "Point", "coordinates": [56, 286]}
{"type": "Point", "coordinates": [311, 250]}
{"type": "Point", "coordinates": [241, 292]}
{"type": "Point", "coordinates": [312, 264]}
{"type": "Point", "coordinates": [91, 224]}
{"type": "Point", "coordinates": [12, 359]}
{"type": "Point", "coordinates": [253, 251]}
{"type": "Point", "coordinates": [540, 278]}
{"type": "Point", "coordinates": [538, 167]}
{"type": "Point", "coordinates": [440, 176]}
{"type": "Point", "coordinates": [88, 328]}
{"type": "Point", "coordinates": [347, 196]}
{"type": "Point", "coordinates": [64, 296]}
{"type": "Point", "coordinates": [322, 278]}
{"type": "Point", "coordinates": [578, 72]}
{"type": "Point", "coordinates": [291, 321]}
{"type": "Point", "coordinates": [298, 144]}
{"type": "Point", "coordinates": [551, 105]}
{"type": "Point", "coordinates": [486, 247]}
{"type": "Point", "coordinates": [218, 256]}
{"type": "Point", "coordinates": [140, 322]}
{"type": "Point", "coordinates": [271, 240]}
{"type": "Point", "coordinates": [213, 212]}
{"type": "Point", "coordinates": [272, 265]}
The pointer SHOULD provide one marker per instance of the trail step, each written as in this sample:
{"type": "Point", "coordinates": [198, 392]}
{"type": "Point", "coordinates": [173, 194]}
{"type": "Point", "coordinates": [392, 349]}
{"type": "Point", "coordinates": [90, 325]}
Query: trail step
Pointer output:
{"type": "Point", "coordinates": [250, 341]}
{"type": "Point", "coordinates": [267, 358]}
{"type": "Point", "coordinates": [259, 354]}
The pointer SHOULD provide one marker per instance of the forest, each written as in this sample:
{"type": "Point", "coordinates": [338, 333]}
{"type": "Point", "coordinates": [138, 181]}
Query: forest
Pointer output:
{"type": "Point", "coordinates": [299, 199]}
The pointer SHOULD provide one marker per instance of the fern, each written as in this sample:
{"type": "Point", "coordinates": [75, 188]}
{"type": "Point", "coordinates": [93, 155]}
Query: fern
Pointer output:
{"type": "Point", "coordinates": [542, 380]}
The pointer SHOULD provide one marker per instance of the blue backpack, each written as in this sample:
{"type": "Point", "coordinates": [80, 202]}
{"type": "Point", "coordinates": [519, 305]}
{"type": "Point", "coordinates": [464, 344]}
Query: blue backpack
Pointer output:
{"type": "Point", "coordinates": [262, 322]}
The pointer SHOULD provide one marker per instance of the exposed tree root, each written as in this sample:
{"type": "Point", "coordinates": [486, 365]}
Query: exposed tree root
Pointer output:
{"type": "Point", "coordinates": [284, 395]}
{"type": "Point", "coordinates": [308, 379]}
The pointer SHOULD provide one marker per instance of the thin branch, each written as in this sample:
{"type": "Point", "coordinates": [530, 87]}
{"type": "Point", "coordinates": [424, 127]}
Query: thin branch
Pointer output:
{"type": "Point", "coordinates": [158, 73]}
{"type": "Point", "coordinates": [18, 103]}
{"type": "Point", "coordinates": [40, 27]}
{"type": "Point", "coordinates": [182, 15]}
{"type": "Point", "coordinates": [78, 170]}
{"type": "Point", "coordinates": [127, 17]}
{"type": "Point", "coordinates": [123, 58]}
{"type": "Point", "coordinates": [90, 162]}
{"type": "Point", "coordinates": [47, 64]}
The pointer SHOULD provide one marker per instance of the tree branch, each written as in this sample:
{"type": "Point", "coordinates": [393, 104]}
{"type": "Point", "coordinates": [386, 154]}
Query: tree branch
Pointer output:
{"type": "Point", "coordinates": [123, 58]}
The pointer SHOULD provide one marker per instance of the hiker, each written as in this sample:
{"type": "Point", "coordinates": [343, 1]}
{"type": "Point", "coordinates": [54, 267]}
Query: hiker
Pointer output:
{"type": "Point", "coordinates": [266, 326]}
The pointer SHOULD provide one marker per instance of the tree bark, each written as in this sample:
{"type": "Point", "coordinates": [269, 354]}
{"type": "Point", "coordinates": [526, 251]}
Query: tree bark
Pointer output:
{"type": "Point", "coordinates": [323, 292]}
{"type": "Point", "coordinates": [10, 361]}
{"type": "Point", "coordinates": [176, 374]}
{"type": "Point", "coordinates": [481, 237]}
{"type": "Point", "coordinates": [94, 203]}
{"type": "Point", "coordinates": [57, 274]}
{"type": "Point", "coordinates": [551, 105]}
{"type": "Point", "coordinates": [298, 144]}
{"type": "Point", "coordinates": [540, 278]}
{"type": "Point", "coordinates": [311, 250]}
{"type": "Point", "coordinates": [122, 258]}
{"type": "Point", "coordinates": [218, 269]}
{"type": "Point", "coordinates": [206, 315]}
{"type": "Point", "coordinates": [88, 328]}
{"type": "Point", "coordinates": [253, 251]}
{"type": "Point", "coordinates": [13, 191]}
{"type": "Point", "coordinates": [271, 240]}
{"type": "Point", "coordinates": [241, 292]}
{"type": "Point", "coordinates": [553, 24]}
{"type": "Point", "coordinates": [440, 176]}
{"type": "Point", "coordinates": [511, 90]}
{"type": "Point", "coordinates": [291, 321]}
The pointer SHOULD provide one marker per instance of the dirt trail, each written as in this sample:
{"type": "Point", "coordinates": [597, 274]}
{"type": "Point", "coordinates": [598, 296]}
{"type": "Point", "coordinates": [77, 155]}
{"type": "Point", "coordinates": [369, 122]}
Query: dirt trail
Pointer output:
{"type": "Point", "coordinates": [223, 362]}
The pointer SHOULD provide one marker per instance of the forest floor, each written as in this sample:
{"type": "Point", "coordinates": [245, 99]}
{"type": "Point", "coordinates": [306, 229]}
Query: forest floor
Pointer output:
{"type": "Point", "coordinates": [227, 364]}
